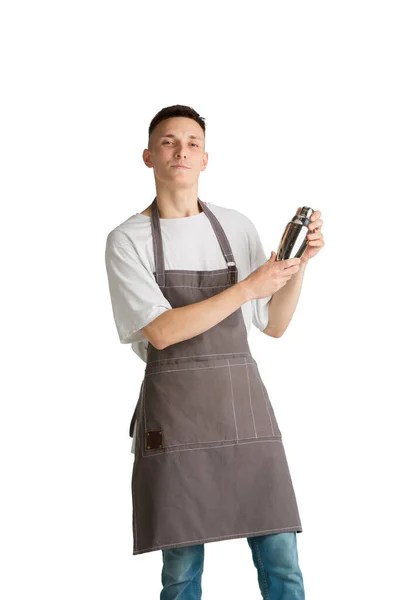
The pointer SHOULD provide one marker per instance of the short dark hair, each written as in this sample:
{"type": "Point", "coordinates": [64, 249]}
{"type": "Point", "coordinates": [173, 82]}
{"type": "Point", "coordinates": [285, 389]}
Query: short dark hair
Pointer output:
{"type": "Point", "coordinates": [178, 110]}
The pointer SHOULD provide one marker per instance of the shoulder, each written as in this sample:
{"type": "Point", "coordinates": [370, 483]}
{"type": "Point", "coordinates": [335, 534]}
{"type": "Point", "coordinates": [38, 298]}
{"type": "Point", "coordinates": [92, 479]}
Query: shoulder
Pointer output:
{"type": "Point", "coordinates": [129, 233]}
{"type": "Point", "coordinates": [234, 219]}
{"type": "Point", "coordinates": [231, 214]}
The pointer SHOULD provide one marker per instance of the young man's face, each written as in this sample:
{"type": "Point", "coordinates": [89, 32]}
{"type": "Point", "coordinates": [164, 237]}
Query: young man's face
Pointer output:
{"type": "Point", "coordinates": [177, 141]}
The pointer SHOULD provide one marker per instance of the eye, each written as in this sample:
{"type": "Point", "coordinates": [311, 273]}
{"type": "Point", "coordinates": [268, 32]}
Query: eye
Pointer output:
{"type": "Point", "coordinates": [169, 142]}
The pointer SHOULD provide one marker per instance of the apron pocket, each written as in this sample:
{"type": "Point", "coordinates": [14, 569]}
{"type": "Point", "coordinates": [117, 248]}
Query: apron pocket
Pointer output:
{"type": "Point", "coordinates": [189, 403]}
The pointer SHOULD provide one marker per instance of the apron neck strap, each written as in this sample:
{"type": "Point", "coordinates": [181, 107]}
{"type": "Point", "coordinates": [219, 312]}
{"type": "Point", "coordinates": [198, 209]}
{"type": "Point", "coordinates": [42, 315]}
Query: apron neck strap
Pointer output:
{"type": "Point", "coordinates": [158, 247]}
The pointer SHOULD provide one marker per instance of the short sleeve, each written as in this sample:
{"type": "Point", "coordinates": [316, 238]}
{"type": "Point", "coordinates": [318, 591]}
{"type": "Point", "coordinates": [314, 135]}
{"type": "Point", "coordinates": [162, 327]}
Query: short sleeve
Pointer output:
{"type": "Point", "coordinates": [260, 306]}
{"type": "Point", "coordinates": [136, 297]}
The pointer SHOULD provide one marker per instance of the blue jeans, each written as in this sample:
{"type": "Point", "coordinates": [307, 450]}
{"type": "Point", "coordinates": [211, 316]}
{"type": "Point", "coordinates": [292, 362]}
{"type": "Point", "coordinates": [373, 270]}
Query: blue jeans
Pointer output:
{"type": "Point", "coordinates": [274, 556]}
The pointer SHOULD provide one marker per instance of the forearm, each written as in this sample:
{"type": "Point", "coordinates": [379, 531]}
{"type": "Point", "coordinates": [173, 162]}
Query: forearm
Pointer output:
{"type": "Point", "coordinates": [283, 304]}
{"type": "Point", "coordinates": [178, 324]}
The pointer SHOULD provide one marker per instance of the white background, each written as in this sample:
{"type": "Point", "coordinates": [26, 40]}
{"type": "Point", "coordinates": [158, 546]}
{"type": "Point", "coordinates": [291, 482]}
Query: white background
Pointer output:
{"type": "Point", "coordinates": [301, 101]}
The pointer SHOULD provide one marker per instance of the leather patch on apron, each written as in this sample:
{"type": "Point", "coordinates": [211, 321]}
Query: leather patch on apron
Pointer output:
{"type": "Point", "coordinates": [154, 439]}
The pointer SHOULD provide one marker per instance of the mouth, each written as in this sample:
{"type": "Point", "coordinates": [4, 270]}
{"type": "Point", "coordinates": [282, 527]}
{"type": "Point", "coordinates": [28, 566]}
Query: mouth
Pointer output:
{"type": "Point", "coordinates": [180, 167]}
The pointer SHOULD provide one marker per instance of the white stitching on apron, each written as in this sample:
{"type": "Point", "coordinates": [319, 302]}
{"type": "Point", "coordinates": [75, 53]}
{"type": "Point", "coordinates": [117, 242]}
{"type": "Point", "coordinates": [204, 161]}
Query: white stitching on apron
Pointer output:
{"type": "Point", "coordinates": [192, 369]}
{"type": "Point", "coordinates": [216, 225]}
{"type": "Point", "coordinates": [195, 287]}
{"type": "Point", "coordinates": [210, 273]}
{"type": "Point", "coordinates": [228, 254]}
{"type": "Point", "coordinates": [144, 411]}
{"type": "Point", "coordinates": [221, 230]}
{"type": "Point", "coordinates": [200, 355]}
{"type": "Point", "coordinates": [257, 441]}
{"type": "Point", "coordinates": [135, 537]}
{"type": "Point", "coordinates": [157, 254]}
{"type": "Point", "coordinates": [155, 243]}
{"type": "Point", "coordinates": [211, 441]}
{"type": "Point", "coordinates": [265, 398]}
{"type": "Point", "coordinates": [233, 401]}
{"type": "Point", "coordinates": [203, 445]}
{"type": "Point", "coordinates": [227, 537]}
{"type": "Point", "coordinates": [251, 405]}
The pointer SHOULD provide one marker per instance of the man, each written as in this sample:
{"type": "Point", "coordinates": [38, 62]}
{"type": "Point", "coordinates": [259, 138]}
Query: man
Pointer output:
{"type": "Point", "coordinates": [187, 279]}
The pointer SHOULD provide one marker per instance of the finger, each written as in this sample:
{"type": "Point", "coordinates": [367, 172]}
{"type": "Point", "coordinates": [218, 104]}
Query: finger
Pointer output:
{"type": "Point", "coordinates": [315, 215]}
{"type": "Point", "coordinates": [315, 224]}
{"type": "Point", "coordinates": [315, 235]}
{"type": "Point", "coordinates": [289, 262]}
{"type": "Point", "coordinates": [290, 271]}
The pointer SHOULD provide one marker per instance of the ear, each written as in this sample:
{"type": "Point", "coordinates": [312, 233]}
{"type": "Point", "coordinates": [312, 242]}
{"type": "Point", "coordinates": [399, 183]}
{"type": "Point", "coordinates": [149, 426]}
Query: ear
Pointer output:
{"type": "Point", "coordinates": [146, 158]}
{"type": "Point", "coordinates": [205, 161]}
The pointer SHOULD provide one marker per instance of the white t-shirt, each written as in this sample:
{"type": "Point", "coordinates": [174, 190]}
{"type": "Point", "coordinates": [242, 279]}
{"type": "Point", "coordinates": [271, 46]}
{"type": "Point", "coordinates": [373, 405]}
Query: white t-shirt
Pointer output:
{"type": "Point", "coordinates": [188, 243]}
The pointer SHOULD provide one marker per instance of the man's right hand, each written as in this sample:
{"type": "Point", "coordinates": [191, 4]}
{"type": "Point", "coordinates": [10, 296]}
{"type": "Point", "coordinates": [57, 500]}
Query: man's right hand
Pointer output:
{"type": "Point", "coordinates": [271, 276]}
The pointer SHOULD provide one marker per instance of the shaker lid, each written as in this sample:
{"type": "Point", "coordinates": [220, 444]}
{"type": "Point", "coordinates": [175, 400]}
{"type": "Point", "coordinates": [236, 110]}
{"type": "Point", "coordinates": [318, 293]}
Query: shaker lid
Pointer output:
{"type": "Point", "coordinates": [306, 211]}
{"type": "Point", "coordinates": [303, 217]}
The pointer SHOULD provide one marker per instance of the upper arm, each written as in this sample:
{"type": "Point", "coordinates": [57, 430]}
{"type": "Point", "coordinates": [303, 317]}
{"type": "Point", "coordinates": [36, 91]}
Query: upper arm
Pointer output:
{"type": "Point", "coordinates": [136, 297]}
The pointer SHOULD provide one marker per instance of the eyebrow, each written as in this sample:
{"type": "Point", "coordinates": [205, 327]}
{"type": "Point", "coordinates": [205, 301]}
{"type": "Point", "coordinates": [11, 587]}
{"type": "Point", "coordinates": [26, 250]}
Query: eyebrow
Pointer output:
{"type": "Point", "coordinates": [195, 137]}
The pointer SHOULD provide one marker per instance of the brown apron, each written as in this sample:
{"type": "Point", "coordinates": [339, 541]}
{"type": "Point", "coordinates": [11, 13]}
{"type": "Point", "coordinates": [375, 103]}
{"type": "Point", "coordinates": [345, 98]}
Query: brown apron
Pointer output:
{"type": "Point", "coordinates": [209, 459]}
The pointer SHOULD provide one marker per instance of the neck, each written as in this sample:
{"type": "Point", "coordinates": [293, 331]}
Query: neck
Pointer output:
{"type": "Point", "coordinates": [176, 205]}
{"type": "Point", "coordinates": [173, 204]}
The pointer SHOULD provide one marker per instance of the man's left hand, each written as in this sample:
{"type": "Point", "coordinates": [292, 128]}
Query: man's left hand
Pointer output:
{"type": "Point", "coordinates": [315, 237]}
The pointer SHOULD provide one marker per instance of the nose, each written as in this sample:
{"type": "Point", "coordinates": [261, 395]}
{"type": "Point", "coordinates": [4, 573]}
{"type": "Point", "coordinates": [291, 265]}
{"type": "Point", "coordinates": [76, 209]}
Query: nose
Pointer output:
{"type": "Point", "coordinates": [180, 153]}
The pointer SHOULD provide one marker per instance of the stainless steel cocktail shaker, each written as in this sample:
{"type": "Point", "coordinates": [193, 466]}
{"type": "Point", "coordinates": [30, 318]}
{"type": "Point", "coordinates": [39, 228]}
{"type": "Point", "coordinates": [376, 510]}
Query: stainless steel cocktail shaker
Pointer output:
{"type": "Point", "coordinates": [294, 240]}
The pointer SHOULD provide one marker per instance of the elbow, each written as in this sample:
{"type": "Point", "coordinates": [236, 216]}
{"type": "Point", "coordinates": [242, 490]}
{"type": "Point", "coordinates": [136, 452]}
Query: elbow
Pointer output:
{"type": "Point", "coordinates": [276, 334]}
{"type": "Point", "coordinates": [153, 334]}
{"type": "Point", "coordinates": [273, 332]}
{"type": "Point", "coordinates": [155, 341]}
{"type": "Point", "coordinates": [158, 331]}
{"type": "Point", "coordinates": [160, 345]}
{"type": "Point", "coordinates": [158, 338]}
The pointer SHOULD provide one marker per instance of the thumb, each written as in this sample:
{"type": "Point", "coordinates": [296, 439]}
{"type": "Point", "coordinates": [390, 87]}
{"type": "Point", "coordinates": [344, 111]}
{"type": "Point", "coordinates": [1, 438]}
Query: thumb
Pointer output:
{"type": "Point", "coordinates": [273, 256]}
